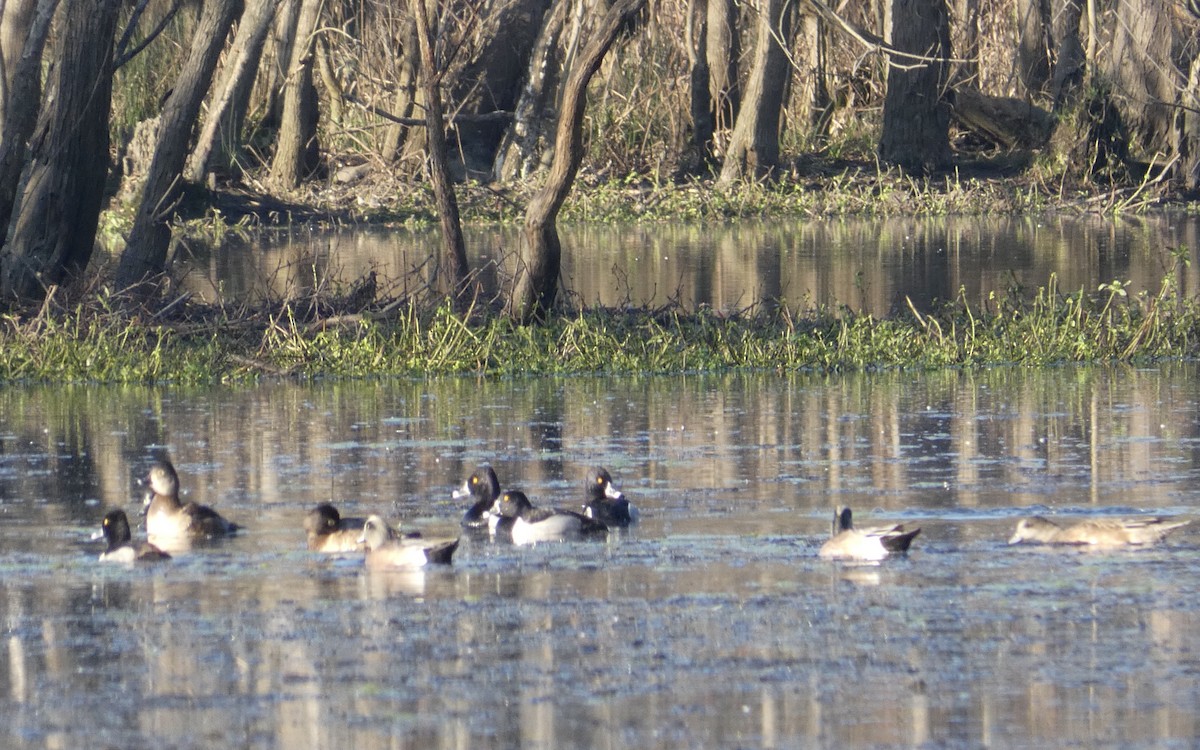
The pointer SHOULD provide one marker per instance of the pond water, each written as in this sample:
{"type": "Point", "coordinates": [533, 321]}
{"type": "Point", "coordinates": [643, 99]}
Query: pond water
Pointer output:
{"type": "Point", "coordinates": [867, 264]}
{"type": "Point", "coordinates": [710, 624]}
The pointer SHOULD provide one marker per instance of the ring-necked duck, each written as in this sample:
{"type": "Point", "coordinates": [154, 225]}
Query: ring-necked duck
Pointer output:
{"type": "Point", "coordinates": [530, 524]}
{"type": "Point", "coordinates": [327, 531]}
{"type": "Point", "coordinates": [385, 550]}
{"type": "Point", "coordinates": [849, 543]}
{"type": "Point", "coordinates": [1107, 532]}
{"type": "Point", "coordinates": [483, 487]}
{"type": "Point", "coordinates": [166, 516]}
{"type": "Point", "coordinates": [605, 503]}
{"type": "Point", "coordinates": [115, 529]}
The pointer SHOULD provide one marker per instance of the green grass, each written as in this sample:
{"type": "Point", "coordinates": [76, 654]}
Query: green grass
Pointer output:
{"type": "Point", "coordinates": [97, 341]}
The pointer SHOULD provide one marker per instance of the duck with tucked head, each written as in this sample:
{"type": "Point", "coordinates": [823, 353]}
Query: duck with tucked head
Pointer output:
{"type": "Point", "coordinates": [849, 543]}
{"type": "Point", "coordinates": [1098, 532]}
{"type": "Point", "coordinates": [387, 550]}
{"type": "Point", "coordinates": [115, 529]}
{"type": "Point", "coordinates": [327, 531]}
{"type": "Point", "coordinates": [605, 503]}
{"type": "Point", "coordinates": [482, 487]}
{"type": "Point", "coordinates": [530, 524]}
{"type": "Point", "coordinates": [167, 517]}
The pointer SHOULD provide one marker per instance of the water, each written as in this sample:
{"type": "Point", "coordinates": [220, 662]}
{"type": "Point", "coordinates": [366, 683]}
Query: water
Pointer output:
{"type": "Point", "coordinates": [711, 624]}
{"type": "Point", "coordinates": [870, 265]}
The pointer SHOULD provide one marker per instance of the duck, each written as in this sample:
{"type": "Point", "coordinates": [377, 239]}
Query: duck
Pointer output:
{"type": "Point", "coordinates": [1098, 532]}
{"type": "Point", "coordinates": [605, 503]}
{"type": "Point", "coordinates": [115, 529]}
{"type": "Point", "coordinates": [327, 531]}
{"type": "Point", "coordinates": [385, 550]}
{"type": "Point", "coordinates": [870, 545]}
{"type": "Point", "coordinates": [483, 487]}
{"type": "Point", "coordinates": [530, 524]}
{"type": "Point", "coordinates": [166, 516]}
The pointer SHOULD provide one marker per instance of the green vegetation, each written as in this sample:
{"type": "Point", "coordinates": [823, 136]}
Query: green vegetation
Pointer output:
{"type": "Point", "coordinates": [98, 341]}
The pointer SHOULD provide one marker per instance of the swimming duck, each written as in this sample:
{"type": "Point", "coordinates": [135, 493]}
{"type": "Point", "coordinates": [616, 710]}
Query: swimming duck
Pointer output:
{"type": "Point", "coordinates": [605, 503]}
{"type": "Point", "coordinates": [530, 524]}
{"type": "Point", "coordinates": [166, 516]}
{"type": "Point", "coordinates": [386, 550]}
{"type": "Point", "coordinates": [115, 529]}
{"type": "Point", "coordinates": [1109, 532]}
{"type": "Point", "coordinates": [849, 543]}
{"type": "Point", "coordinates": [483, 486]}
{"type": "Point", "coordinates": [327, 531]}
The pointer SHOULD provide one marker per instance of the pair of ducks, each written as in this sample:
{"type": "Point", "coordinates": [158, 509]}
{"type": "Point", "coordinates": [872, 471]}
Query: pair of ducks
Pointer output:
{"type": "Point", "coordinates": [509, 512]}
{"type": "Point", "coordinates": [604, 507]}
{"type": "Point", "coordinates": [169, 522]}
{"type": "Point", "coordinates": [869, 545]}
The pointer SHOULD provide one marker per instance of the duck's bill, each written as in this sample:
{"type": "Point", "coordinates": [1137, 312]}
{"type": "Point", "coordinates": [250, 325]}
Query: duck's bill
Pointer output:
{"type": "Point", "coordinates": [612, 493]}
{"type": "Point", "coordinates": [461, 492]}
{"type": "Point", "coordinates": [96, 535]}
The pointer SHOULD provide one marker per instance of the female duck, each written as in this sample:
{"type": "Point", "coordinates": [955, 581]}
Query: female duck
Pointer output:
{"type": "Point", "coordinates": [1099, 532]}
{"type": "Point", "coordinates": [115, 529]}
{"type": "Point", "coordinates": [385, 550]}
{"type": "Point", "coordinates": [327, 531]}
{"type": "Point", "coordinates": [530, 524]}
{"type": "Point", "coordinates": [605, 503]}
{"type": "Point", "coordinates": [167, 517]}
{"type": "Point", "coordinates": [849, 543]}
{"type": "Point", "coordinates": [482, 487]}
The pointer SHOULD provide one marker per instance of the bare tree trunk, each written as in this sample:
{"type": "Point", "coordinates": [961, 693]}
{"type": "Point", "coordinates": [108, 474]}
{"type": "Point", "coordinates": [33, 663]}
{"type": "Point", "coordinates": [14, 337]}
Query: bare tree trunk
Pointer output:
{"type": "Point", "coordinates": [1033, 44]}
{"type": "Point", "coordinates": [539, 263]}
{"type": "Point", "coordinates": [223, 123]}
{"type": "Point", "coordinates": [700, 155]}
{"type": "Point", "coordinates": [296, 150]}
{"type": "Point", "coordinates": [15, 22]}
{"type": "Point", "coordinates": [754, 146]}
{"type": "Point", "coordinates": [524, 149]}
{"type": "Point", "coordinates": [21, 110]}
{"type": "Point", "coordinates": [722, 50]}
{"type": "Point", "coordinates": [145, 253]}
{"type": "Point", "coordinates": [454, 249]}
{"type": "Point", "coordinates": [1069, 59]}
{"type": "Point", "coordinates": [405, 98]}
{"type": "Point", "coordinates": [53, 231]}
{"type": "Point", "coordinates": [916, 122]}
{"type": "Point", "coordinates": [815, 93]}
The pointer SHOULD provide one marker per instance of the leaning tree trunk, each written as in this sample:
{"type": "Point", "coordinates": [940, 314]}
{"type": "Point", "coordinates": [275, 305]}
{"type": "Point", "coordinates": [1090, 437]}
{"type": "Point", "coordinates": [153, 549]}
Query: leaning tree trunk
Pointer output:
{"type": "Point", "coordinates": [754, 146]}
{"type": "Point", "coordinates": [404, 100]}
{"type": "Point", "coordinates": [453, 282]}
{"type": "Point", "coordinates": [296, 151]}
{"type": "Point", "coordinates": [145, 253]}
{"type": "Point", "coordinates": [21, 109]}
{"type": "Point", "coordinates": [538, 264]}
{"type": "Point", "coordinates": [916, 122]}
{"type": "Point", "coordinates": [53, 232]}
{"type": "Point", "coordinates": [223, 123]}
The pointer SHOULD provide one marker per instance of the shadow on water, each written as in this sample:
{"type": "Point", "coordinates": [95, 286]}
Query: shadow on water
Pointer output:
{"type": "Point", "coordinates": [712, 623]}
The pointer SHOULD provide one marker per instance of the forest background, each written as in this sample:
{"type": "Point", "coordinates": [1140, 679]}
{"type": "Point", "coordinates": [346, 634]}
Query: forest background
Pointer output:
{"type": "Point", "coordinates": [298, 110]}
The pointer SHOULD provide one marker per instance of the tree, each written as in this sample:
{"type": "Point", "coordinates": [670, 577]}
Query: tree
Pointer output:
{"type": "Point", "coordinates": [535, 286]}
{"type": "Point", "coordinates": [916, 121]}
{"type": "Point", "coordinates": [223, 123]}
{"type": "Point", "coordinates": [296, 150]}
{"type": "Point", "coordinates": [145, 251]}
{"type": "Point", "coordinates": [53, 230]}
{"type": "Point", "coordinates": [754, 146]}
{"type": "Point", "coordinates": [454, 249]}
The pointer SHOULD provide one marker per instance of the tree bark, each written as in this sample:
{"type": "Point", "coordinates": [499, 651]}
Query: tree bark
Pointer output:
{"type": "Point", "coordinates": [722, 48]}
{"type": "Point", "coordinates": [53, 231]}
{"type": "Point", "coordinates": [145, 251]}
{"type": "Point", "coordinates": [21, 110]}
{"type": "Point", "coordinates": [1033, 44]}
{"type": "Point", "coordinates": [754, 146]}
{"type": "Point", "coordinates": [16, 20]}
{"type": "Point", "coordinates": [916, 122]}
{"type": "Point", "coordinates": [1069, 62]}
{"type": "Point", "coordinates": [535, 286]}
{"type": "Point", "coordinates": [223, 123]}
{"type": "Point", "coordinates": [453, 282]}
{"type": "Point", "coordinates": [296, 150]}
{"type": "Point", "coordinates": [405, 98]}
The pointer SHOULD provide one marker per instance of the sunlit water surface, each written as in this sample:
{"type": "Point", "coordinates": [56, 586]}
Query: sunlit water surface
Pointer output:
{"type": "Point", "coordinates": [711, 624]}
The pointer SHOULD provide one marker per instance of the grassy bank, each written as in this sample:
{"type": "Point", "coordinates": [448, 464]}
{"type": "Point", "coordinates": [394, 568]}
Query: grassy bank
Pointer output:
{"type": "Point", "coordinates": [99, 341]}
